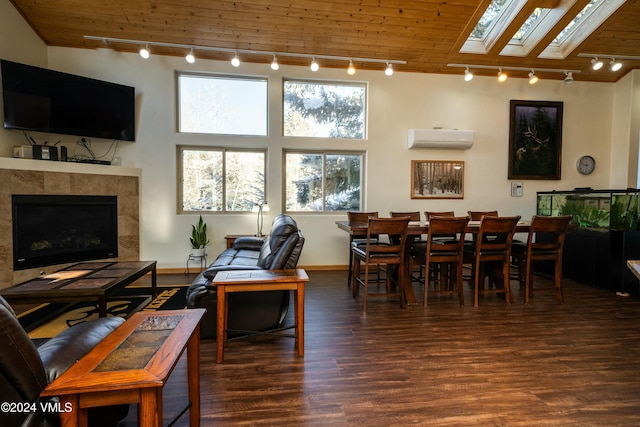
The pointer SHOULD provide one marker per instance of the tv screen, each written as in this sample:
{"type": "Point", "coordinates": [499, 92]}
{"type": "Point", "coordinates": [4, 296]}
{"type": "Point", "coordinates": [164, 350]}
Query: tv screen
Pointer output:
{"type": "Point", "coordinates": [41, 100]}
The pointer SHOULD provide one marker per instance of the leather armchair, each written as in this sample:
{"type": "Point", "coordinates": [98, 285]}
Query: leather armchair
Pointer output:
{"type": "Point", "coordinates": [253, 311]}
{"type": "Point", "coordinates": [26, 370]}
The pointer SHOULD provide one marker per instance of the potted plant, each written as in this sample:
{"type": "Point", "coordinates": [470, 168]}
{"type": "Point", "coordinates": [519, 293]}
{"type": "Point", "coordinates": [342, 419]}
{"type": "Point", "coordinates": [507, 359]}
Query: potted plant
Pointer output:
{"type": "Point", "coordinates": [198, 238]}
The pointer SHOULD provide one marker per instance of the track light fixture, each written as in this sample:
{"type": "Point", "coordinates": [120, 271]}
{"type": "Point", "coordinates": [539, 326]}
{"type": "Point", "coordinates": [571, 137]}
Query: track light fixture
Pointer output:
{"type": "Point", "coordinates": [569, 77]}
{"type": "Point", "coordinates": [615, 65]}
{"type": "Point", "coordinates": [274, 64]}
{"type": "Point", "coordinates": [389, 70]}
{"type": "Point", "coordinates": [190, 58]}
{"type": "Point", "coordinates": [533, 79]}
{"type": "Point", "coordinates": [144, 52]}
{"type": "Point", "coordinates": [502, 77]}
{"type": "Point", "coordinates": [468, 75]}
{"type": "Point", "coordinates": [596, 64]}
{"type": "Point", "coordinates": [235, 61]}
{"type": "Point", "coordinates": [351, 70]}
{"type": "Point", "coordinates": [314, 65]}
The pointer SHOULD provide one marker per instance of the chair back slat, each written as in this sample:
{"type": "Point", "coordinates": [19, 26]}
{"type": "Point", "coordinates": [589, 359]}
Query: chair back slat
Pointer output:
{"type": "Point", "coordinates": [547, 233]}
{"type": "Point", "coordinates": [429, 214]}
{"type": "Point", "coordinates": [496, 232]}
{"type": "Point", "coordinates": [413, 215]}
{"type": "Point", "coordinates": [477, 215]}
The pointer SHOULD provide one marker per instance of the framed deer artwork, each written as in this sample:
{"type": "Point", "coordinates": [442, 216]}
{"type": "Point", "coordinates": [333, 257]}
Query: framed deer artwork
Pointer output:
{"type": "Point", "coordinates": [535, 140]}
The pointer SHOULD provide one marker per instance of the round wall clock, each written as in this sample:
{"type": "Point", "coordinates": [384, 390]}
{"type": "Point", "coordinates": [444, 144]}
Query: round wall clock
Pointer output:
{"type": "Point", "coordinates": [586, 165]}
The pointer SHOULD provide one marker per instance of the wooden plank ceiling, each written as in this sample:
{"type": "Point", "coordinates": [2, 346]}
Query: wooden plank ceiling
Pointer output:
{"type": "Point", "coordinates": [427, 34]}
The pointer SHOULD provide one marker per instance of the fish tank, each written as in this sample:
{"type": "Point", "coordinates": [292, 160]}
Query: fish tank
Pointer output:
{"type": "Point", "coordinates": [595, 210]}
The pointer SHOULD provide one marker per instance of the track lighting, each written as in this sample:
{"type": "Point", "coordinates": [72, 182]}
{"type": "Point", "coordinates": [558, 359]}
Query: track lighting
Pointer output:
{"type": "Point", "coordinates": [314, 65]}
{"type": "Point", "coordinates": [596, 64]}
{"type": "Point", "coordinates": [614, 65]}
{"type": "Point", "coordinates": [190, 58]}
{"type": "Point", "coordinates": [468, 75]}
{"type": "Point", "coordinates": [144, 52]}
{"type": "Point", "coordinates": [502, 77]}
{"type": "Point", "coordinates": [533, 79]}
{"type": "Point", "coordinates": [235, 61]}
{"type": "Point", "coordinates": [274, 64]}
{"type": "Point", "coordinates": [351, 70]}
{"type": "Point", "coordinates": [569, 77]}
{"type": "Point", "coordinates": [389, 70]}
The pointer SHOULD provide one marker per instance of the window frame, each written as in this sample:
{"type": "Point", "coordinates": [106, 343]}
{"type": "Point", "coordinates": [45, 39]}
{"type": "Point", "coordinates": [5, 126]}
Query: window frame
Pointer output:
{"type": "Point", "coordinates": [223, 149]}
{"type": "Point", "coordinates": [324, 153]}
{"type": "Point", "coordinates": [238, 77]}
{"type": "Point", "coordinates": [363, 84]}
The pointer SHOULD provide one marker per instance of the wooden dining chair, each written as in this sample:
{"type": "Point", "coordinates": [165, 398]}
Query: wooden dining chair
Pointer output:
{"type": "Point", "coordinates": [446, 254]}
{"type": "Point", "coordinates": [429, 214]}
{"type": "Point", "coordinates": [357, 239]}
{"type": "Point", "coordinates": [545, 242]}
{"type": "Point", "coordinates": [477, 215]}
{"type": "Point", "coordinates": [493, 245]}
{"type": "Point", "coordinates": [377, 253]}
{"type": "Point", "coordinates": [413, 215]}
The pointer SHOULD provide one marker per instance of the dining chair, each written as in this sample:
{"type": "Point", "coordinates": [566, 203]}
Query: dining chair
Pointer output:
{"type": "Point", "coordinates": [429, 214]}
{"type": "Point", "coordinates": [446, 254]}
{"type": "Point", "coordinates": [413, 215]}
{"type": "Point", "coordinates": [477, 215]}
{"type": "Point", "coordinates": [357, 239]}
{"type": "Point", "coordinates": [545, 242]}
{"type": "Point", "coordinates": [378, 253]}
{"type": "Point", "coordinates": [493, 245]}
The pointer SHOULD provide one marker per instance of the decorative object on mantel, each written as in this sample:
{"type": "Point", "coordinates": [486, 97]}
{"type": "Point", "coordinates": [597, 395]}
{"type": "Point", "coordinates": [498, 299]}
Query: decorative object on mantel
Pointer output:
{"type": "Point", "coordinates": [535, 140]}
{"type": "Point", "coordinates": [198, 238]}
{"type": "Point", "coordinates": [440, 138]}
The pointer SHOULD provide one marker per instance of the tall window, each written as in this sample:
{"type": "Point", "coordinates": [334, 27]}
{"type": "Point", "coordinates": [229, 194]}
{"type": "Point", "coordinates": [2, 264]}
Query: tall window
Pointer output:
{"type": "Point", "coordinates": [324, 109]}
{"type": "Point", "coordinates": [323, 181]}
{"type": "Point", "coordinates": [222, 104]}
{"type": "Point", "coordinates": [221, 180]}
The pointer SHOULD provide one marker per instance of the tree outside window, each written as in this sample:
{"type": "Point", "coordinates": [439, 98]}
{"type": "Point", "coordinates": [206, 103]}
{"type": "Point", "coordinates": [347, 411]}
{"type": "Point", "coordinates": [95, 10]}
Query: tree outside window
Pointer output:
{"type": "Point", "coordinates": [323, 182]}
{"type": "Point", "coordinates": [221, 180]}
{"type": "Point", "coordinates": [324, 110]}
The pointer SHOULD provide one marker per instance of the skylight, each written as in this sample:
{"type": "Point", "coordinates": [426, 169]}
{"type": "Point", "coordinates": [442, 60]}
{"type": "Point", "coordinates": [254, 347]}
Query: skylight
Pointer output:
{"type": "Point", "coordinates": [499, 15]}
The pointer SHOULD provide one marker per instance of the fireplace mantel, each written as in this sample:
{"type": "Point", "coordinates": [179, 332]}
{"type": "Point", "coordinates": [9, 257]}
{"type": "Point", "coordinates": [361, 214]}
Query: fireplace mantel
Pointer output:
{"type": "Point", "coordinates": [27, 176]}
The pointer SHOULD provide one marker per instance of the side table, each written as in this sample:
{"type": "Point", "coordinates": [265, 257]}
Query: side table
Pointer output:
{"type": "Point", "coordinates": [257, 281]}
{"type": "Point", "coordinates": [231, 238]}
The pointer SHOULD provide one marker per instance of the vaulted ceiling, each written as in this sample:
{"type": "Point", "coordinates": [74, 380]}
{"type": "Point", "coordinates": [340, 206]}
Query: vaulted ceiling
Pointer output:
{"type": "Point", "coordinates": [427, 34]}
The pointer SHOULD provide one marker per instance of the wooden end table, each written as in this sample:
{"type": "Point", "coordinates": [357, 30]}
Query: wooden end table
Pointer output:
{"type": "Point", "coordinates": [258, 281]}
{"type": "Point", "coordinates": [132, 365]}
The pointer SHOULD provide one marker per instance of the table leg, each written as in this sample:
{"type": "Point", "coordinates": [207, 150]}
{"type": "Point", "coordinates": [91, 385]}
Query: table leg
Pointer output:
{"type": "Point", "coordinates": [102, 306]}
{"type": "Point", "coordinates": [193, 377]}
{"type": "Point", "coordinates": [154, 283]}
{"type": "Point", "coordinates": [299, 309]}
{"type": "Point", "coordinates": [221, 325]}
{"type": "Point", "coordinates": [410, 296]}
{"type": "Point", "coordinates": [150, 407]}
{"type": "Point", "coordinates": [76, 417]}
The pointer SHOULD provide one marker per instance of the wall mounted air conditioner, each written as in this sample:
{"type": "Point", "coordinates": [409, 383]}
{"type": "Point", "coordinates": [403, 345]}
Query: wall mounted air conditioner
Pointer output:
{"type": "Point", "coordinates": [440, 138]}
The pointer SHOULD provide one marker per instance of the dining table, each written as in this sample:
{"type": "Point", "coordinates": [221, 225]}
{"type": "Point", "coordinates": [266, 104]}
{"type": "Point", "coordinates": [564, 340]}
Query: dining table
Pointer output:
{"type": "Point", "coordinates": [415, 228]}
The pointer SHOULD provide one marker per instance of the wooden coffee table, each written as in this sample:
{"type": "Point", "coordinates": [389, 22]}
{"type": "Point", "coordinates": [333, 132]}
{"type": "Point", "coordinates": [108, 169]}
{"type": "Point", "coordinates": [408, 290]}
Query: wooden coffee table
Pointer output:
{"type": "Point", "coordinates": [86, 281]}
{"type": "Point", "coordinates": [258, 281]}
{"type": "Point", "coordinates": [132, 365]}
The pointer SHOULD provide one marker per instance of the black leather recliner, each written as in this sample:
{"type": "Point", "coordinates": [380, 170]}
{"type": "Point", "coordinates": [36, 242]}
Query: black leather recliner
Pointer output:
{"type": "Point", "coordinates": [251, 311]}
{"type": "Point", "coordinates": [26, 370]}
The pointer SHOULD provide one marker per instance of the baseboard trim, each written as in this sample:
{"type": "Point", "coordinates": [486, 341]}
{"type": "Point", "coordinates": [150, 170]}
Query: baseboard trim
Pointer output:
{"type": "Point", "coordinates": [180, 270]}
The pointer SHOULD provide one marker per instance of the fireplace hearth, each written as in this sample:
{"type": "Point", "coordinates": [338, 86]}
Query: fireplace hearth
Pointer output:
{"type": "Point", "coordinates": [59, 229]}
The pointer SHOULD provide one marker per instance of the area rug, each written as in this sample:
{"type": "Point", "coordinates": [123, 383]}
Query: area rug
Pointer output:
{"type": "Point", "coordinates": [48, 320]}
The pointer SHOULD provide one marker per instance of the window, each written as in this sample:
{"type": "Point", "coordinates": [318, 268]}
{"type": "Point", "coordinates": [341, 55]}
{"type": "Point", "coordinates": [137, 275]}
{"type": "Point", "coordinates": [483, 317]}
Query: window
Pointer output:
{"type": "Point", "coordinates": [324, 109]}
{"type": "Point", "coordinates": [323, 182]}
{"type": "Point", "coordinates": [220, 180]}
{"type": "Point", "coordinates": [222, 104]}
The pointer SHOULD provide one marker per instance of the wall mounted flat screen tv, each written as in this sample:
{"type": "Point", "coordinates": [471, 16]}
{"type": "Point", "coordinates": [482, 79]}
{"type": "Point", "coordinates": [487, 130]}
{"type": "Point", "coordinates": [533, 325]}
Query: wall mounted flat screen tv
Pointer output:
{"type": "Point", "coordinates": [40, 100]}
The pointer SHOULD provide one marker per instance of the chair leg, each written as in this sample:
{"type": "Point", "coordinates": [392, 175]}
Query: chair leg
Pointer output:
{"type": "Point", "coordinates": [459, 283]}
{"type": "Point", "coordinates": [476, 280]}
{"type": "Point", "coordinates": [350, 273]}
{"type": "Point", "coordinates": [528, 284]}
{"type": "Point", "coordinates": [507, 281]}
{"type": "Point", "coordinates": [366, 286]}
{"type": "Point", "coordinates": [355, 287]}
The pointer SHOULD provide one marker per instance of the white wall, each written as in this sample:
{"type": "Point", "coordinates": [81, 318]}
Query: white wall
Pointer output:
{"type": "Point", "coordinates": [397, 103]}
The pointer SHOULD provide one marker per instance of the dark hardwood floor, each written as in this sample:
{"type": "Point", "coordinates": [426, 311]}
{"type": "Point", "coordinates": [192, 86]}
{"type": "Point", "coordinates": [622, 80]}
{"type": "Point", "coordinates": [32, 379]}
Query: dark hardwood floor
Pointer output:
{"type": "Point", "coordinates": [546, 364]}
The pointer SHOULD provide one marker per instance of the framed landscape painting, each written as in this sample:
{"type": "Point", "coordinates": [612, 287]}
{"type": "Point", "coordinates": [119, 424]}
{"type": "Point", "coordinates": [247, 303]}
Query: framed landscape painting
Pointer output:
{"type": "Point", "coordinates": [437, 179]}
{"type": "Point", "coordinates": [535, 140]}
